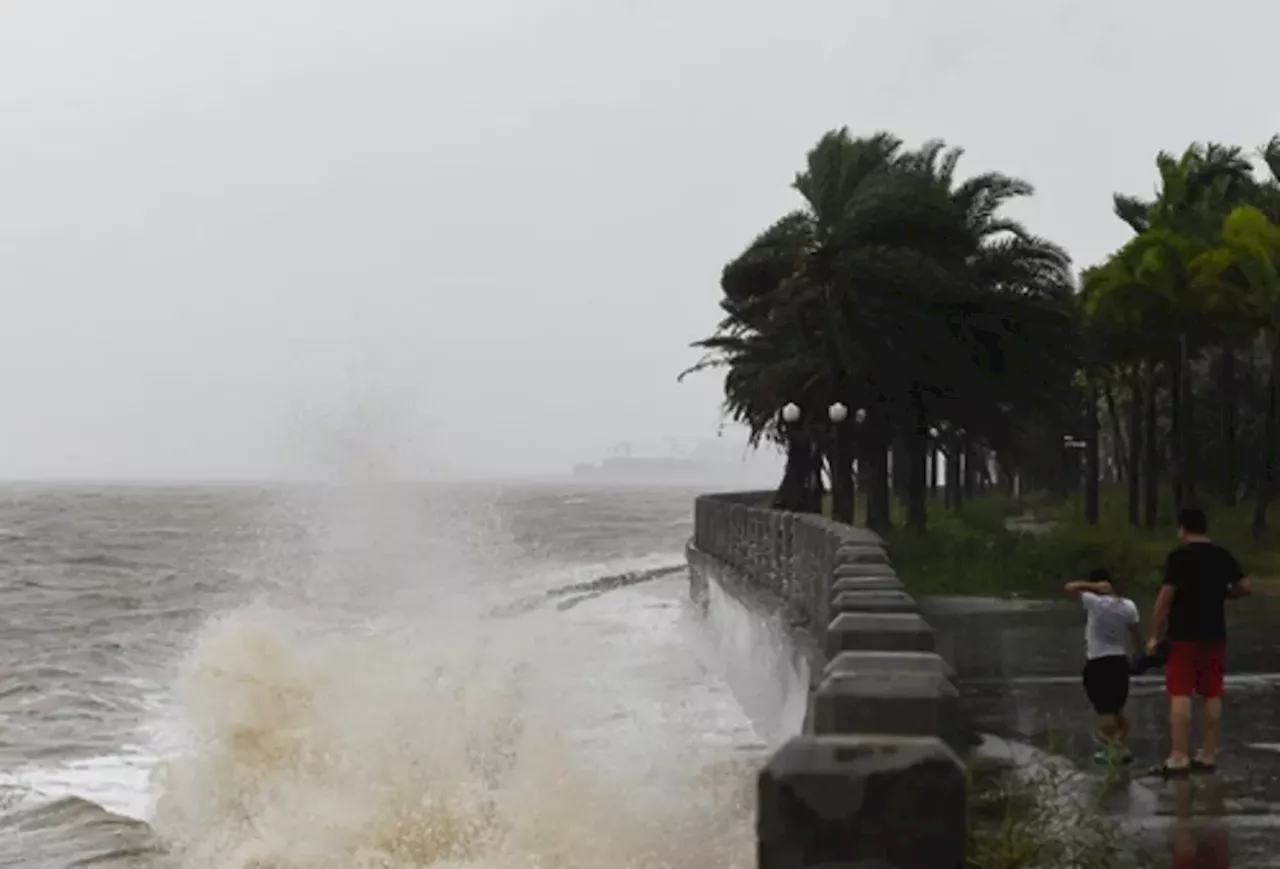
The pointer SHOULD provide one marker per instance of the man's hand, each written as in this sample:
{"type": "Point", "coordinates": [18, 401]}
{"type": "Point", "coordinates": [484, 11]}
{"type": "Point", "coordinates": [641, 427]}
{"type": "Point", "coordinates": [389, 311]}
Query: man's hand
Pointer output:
{"type": "Point", "coordinates": [1152, 645]}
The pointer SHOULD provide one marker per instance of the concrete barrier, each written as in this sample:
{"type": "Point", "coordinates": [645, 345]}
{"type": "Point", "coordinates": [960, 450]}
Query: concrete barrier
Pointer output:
{"type": "Point", "coordinates": [875, 778]}
{"type": "Point", "coordinates": [873, 601]}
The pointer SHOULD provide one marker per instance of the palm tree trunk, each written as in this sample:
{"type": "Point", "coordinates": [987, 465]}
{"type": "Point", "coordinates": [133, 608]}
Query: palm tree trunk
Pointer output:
{"type": "Point", "coordinates": [1177, 471]}
{"type": "Point", "coordinates": [1092, 457]}
{"type": "Point", "coordinates": [955, 466]}
{"type": "Point", "coordinates": [1187, 457]}
{"type": "Point", "coordinates": [874, 450]}
{"type": "Point", "coordinates": [1118, 448]}
{"type": "Point", "coordinates": [1267, 473]}
{"type": "Point", "coordinates": [1228, 389]}
{"type": "Point", "coordinates": [970, 470]}
{"type": "Point", "coordinates": [1135, 449]}
{"type": "Point", "coordinates": [901, 467]}
{"type": "Point", "coordinates": [841, 459]}
{"type": "Point", "coordinates": [791, 493]}
{"type": "Point", "coordinates": [917, 452]}
{"type": "Point", "coordinates": [814, 490]}
{"type": "Point", "coordinates": [1151, 439]}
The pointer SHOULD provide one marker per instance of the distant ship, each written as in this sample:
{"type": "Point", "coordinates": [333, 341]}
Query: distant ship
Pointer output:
{"type": "Point", "coordinates": [705, 462]}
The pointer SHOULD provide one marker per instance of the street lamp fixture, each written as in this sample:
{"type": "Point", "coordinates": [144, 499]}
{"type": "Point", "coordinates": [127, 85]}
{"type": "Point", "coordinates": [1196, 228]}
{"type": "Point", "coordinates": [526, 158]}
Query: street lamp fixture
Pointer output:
{"type": "Point", "coordinates": [838, 413]}
{"type": "Point", "coordinates": [790, 412]}
{"type": "Point", "coordinates": [860, 415]}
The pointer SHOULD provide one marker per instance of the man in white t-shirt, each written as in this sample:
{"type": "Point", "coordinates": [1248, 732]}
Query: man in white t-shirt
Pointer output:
{"type": "Point", "coordinates": [1111, 626]}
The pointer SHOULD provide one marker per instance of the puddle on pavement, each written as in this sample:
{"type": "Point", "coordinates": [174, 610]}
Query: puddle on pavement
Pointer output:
{"type": "Point", "coordinates": [1018, 665]}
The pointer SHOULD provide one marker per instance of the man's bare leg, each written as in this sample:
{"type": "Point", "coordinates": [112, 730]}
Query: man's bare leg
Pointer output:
{"type": "Point", "coordinates": [1180, 732]}
{"type": "Point", "coordinates": [1208, 753]}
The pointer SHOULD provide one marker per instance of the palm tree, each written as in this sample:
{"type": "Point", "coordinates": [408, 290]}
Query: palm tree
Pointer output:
{"type": "Point", "coordinates": [1183, 221]}
{"type": "Point", "coordinates": [784, 337]}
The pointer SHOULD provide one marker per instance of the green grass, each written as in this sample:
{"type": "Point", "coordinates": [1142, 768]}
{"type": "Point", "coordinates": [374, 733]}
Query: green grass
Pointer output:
{"type": "Point", "coordinates": [1022, 818]}
{"type": "Point", "coordinates": [973, 553]}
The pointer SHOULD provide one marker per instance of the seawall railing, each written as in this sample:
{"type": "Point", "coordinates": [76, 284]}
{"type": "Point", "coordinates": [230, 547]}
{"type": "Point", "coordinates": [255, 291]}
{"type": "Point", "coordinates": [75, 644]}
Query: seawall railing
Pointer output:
{"type": "Point", "coordinates": [876, 778]}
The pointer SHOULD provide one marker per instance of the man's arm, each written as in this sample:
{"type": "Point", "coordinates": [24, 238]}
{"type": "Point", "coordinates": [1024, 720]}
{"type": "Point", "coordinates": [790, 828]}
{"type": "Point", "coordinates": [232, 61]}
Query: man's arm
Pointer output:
{"type": "Point", "coordinates": [1164, 600]}
{"type": "Point", "coordinates": [1239, 586]}
{"type": "Point", "coordinates": [1083, 586]}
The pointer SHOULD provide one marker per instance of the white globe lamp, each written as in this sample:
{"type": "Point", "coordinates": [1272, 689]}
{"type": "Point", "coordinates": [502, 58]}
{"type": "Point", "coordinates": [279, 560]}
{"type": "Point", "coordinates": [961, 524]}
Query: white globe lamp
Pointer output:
{"type": "Point", "coordinates": [838, 412]}
{"type": "Point", "coordinates": [790, 413]}
{"type": "Point", "coordinates": [860, 415]}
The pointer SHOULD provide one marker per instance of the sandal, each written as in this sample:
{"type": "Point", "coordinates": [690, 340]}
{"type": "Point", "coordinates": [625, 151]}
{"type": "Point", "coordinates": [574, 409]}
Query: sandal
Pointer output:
{"type": "Point", "coordinates": [1166, 771]}
{"type": "Point", "coordinates": [1200, 766]}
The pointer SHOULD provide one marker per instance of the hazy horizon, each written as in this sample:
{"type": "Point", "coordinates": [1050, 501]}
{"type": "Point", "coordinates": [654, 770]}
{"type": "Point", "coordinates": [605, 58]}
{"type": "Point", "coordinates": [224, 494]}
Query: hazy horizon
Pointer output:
{"type": "Point", "coordinates": [293, 240]}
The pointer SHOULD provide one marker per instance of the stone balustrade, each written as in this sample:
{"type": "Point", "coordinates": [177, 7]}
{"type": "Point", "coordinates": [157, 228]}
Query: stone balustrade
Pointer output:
{"type": "Point", "coordinates": [875, 778]}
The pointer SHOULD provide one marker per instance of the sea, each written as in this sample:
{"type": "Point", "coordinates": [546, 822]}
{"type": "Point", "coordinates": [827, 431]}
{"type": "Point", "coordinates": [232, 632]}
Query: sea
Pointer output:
{"type": "Point", "coordinates": [361, 676]}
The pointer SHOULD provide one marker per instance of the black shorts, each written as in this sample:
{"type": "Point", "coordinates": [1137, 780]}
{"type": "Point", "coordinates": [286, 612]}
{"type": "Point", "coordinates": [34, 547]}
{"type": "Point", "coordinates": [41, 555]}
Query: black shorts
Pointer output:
{"type": "Point", "coordinates": [1106, 683]}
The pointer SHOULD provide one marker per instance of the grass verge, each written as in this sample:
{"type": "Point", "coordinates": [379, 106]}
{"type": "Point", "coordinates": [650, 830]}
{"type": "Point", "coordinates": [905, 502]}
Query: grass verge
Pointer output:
{"type": "Point", "coordinates": [1027, 818]}
{"type": "Point", "coordinates": [972, 552]}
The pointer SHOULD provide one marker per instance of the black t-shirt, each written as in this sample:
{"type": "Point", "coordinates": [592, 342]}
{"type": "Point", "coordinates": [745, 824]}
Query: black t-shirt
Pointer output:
{"type": "Point", "coordinates": [1202, 574]}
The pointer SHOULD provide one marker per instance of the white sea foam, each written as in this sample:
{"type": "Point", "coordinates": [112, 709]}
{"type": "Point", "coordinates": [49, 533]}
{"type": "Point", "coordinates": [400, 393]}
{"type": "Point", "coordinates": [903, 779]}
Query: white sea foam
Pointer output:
{"type": "Point", "coordinates": [436, 741]}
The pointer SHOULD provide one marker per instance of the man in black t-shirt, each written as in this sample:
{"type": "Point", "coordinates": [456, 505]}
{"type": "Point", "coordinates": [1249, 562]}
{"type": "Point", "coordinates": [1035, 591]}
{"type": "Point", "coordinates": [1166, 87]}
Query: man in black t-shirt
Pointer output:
{"type": "Point", "coordinates": [1199, 577]}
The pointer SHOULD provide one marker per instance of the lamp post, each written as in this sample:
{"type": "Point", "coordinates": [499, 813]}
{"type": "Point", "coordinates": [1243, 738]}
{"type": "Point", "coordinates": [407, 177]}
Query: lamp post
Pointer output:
{"type": "Point", "coordinates": [842, 499]}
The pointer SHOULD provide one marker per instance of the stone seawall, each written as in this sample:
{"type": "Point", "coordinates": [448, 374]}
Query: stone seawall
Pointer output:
{"type": "Point", "coordinates": [875, 774]}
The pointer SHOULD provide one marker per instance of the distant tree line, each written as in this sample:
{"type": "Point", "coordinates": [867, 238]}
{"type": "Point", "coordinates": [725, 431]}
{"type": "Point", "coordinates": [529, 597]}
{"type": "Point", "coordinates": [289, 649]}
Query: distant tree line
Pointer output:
{"type": "Point", "coordinates": [903, 290]}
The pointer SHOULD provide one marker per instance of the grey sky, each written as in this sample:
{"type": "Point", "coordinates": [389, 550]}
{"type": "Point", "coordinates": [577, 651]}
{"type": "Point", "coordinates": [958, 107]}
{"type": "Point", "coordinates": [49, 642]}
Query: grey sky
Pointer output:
{"type": "Point", "coordinates": [478, 237]}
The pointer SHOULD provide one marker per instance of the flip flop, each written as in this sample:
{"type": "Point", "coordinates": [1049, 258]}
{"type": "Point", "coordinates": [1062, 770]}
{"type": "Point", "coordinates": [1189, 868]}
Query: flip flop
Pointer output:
{"type": "Point", "coordinates": [1201, 766]}
{"type": "Point", "coordinates": [1166, 771]}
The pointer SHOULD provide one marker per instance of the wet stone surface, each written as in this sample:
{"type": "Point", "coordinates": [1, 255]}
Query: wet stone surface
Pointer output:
{"type": "Point", "coordinates": [1018, 669]}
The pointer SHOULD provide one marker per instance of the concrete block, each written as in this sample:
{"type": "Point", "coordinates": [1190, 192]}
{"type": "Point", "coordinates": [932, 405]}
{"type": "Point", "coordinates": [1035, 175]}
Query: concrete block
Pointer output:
{"type": "Point", "coordinates": [843, 570]}
{"type": "Point", "coordinates": [900, 702]}
{"type": "Point", "coordinates": [874, 601]}
{"type": "Point", "coordinates": [874, 662]}
{"type": "Point", "coordinates": [859, 554]}
{"type": "Point", "coordinates": [878, 632]}
{"type": "Point", "coordinates": [866, 583]}
{"type": "Point", "coordinates": [861, 801]}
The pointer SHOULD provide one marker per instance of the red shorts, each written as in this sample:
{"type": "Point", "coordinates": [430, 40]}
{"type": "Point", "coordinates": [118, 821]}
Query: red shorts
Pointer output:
{"type": "Point", "coordinates": [1195, 668]}
{"type": "Point", "coordinates": [1203, 849]}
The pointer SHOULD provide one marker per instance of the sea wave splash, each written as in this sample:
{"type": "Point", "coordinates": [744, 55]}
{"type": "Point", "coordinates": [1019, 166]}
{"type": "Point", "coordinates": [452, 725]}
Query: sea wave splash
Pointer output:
{"type": "Point", "coordinates": [317, 742]}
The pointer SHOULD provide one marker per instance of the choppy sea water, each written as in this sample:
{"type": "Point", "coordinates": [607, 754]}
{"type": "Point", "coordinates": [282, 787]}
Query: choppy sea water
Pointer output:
{"type": "Point", "coordinates": [248, 678]}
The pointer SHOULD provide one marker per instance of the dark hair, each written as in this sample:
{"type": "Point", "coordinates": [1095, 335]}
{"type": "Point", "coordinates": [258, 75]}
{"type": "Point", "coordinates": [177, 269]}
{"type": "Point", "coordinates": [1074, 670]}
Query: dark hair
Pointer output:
{"type": "Point", "coordinates": [1100, 574]}
{"type": "Point", "coordinates": [1193, 521]}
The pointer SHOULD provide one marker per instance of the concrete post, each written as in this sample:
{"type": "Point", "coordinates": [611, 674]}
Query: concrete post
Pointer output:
{"type": "Point", "coordinates": [861, 569]}
{"type": "Point", "coordinates": [861, 554]}
{"type": "Point", "coordinates": [874, 601]}
{"type": "Point", "coordinates": [889, 701]}
{"type": "Point", "coordinates": [830, 802]}
{"type": "Point", "coordinates": [878, 632]}
{"type": "Point", "coordinates": [870, 662]}
{"type": "Point", "coordinates": [867, 583]}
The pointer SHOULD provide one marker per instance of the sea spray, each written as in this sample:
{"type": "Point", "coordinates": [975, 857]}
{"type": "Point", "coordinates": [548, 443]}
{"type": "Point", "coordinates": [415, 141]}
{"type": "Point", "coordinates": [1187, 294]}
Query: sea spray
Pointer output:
{"type": "Point", "coordinates": [317, 742]}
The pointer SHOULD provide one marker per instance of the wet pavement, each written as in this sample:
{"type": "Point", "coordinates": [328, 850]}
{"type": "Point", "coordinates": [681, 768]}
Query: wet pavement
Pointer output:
{"type": "Point", "coordinates": [1018, 666]}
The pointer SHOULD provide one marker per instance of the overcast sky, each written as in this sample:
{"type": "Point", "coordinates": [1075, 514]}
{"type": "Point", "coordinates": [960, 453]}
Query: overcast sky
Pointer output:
{"type": "Point", "coordinates": [246, 239]}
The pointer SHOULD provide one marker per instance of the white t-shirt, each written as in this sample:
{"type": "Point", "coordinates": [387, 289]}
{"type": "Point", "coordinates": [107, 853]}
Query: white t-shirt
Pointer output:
{"type": "Point", "coordinates": [1110, 618]}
